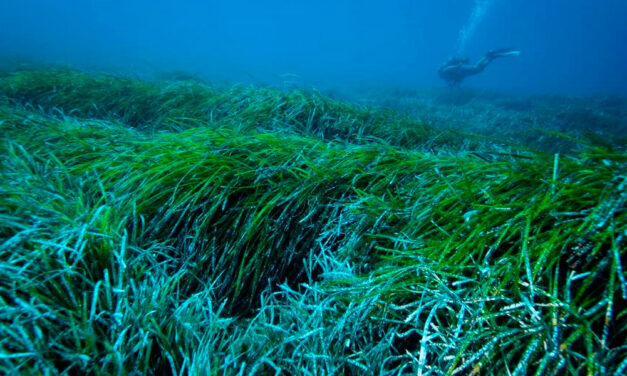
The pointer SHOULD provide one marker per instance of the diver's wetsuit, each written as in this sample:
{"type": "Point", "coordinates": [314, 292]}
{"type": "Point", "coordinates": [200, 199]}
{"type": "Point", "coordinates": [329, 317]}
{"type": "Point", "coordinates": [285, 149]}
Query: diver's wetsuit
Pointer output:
{"type": "Point", "coordinates": [456, 70]}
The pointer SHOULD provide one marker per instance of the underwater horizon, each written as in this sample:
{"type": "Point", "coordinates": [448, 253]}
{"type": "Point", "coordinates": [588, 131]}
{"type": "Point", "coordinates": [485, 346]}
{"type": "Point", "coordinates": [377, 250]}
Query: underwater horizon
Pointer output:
{"type": "Point", "coordinates": [567, 47]}
{"type": "Point", "coordinates": [313, 188]}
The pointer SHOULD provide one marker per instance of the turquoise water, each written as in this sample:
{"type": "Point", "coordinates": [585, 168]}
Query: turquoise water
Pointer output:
{"type": "Point", "coordinates": [313, 188]}
{"type": "Point", "coordinates": [572, 47]}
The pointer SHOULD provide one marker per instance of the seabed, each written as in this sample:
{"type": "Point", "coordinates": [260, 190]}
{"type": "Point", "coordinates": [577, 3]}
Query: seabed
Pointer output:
{"type": "Point", "coordinates": [172, 227]}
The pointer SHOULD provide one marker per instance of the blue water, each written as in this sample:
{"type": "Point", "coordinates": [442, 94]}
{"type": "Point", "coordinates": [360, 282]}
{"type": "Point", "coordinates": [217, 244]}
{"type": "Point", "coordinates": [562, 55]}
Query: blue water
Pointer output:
{"type": "Point", "coordinates": [567, 46]}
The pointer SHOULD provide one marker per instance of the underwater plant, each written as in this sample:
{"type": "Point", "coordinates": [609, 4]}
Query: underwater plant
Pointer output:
{"type": "Point", "coordinates": [175, 228]}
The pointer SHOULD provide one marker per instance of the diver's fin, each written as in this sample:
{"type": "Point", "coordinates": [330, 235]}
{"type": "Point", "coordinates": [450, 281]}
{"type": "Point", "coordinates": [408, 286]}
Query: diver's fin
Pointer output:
{"type": "Point", "coordinates": [504, 52]}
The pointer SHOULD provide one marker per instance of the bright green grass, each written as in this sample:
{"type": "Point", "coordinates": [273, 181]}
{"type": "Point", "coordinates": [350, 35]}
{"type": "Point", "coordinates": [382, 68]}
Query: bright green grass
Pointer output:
{"type": "Point", "coordinates": [182, 105]}
{"type": "Point", "coordinates": [155, 228]}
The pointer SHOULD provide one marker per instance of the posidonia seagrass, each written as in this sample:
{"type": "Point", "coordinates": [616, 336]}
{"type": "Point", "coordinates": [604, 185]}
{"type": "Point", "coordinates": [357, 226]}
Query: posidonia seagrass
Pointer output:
{"type": "Point", "coordinates": [151, 228]}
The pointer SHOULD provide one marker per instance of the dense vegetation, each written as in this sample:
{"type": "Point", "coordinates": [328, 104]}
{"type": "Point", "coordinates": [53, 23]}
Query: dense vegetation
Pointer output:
{"type": "Point", "coordinates": [174, 228]}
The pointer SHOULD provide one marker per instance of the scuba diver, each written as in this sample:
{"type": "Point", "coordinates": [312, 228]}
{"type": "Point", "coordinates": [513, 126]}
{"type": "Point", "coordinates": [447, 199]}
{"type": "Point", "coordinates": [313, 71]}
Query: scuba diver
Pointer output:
{"type": "Point", "coordinates": [455, 70]}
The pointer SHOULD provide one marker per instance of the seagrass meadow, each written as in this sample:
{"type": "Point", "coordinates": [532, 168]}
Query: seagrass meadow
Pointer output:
{"type": "Point", "coordinates": [172, 227]}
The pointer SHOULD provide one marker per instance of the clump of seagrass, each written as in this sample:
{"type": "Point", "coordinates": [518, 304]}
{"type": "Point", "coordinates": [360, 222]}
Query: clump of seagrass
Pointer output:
{"type": "Point", "coordinates": [180, 105]}
{"type": "Point", "coordinates": [155, 229]}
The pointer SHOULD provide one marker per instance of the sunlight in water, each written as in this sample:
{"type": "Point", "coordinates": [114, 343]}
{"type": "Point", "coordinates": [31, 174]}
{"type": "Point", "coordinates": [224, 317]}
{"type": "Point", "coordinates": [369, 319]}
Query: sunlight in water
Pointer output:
{"type": "Point", "coordinates": [479, 11]}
